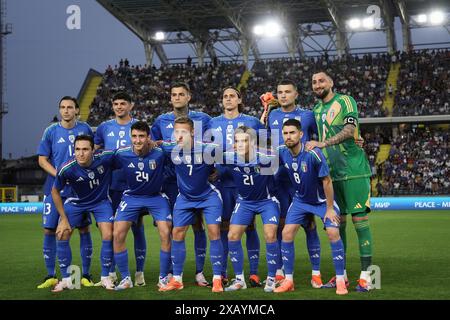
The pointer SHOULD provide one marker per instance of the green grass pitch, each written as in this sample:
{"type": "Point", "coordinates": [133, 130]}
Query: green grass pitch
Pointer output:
{"type": "Point", "coordinates": [411, 248]}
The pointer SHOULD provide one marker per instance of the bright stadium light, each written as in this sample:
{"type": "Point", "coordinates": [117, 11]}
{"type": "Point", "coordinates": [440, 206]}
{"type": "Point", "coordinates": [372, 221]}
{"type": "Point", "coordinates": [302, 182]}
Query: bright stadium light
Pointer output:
{"type": "Point", "coordinates": [258, 30]}
{"type": "Point", "coordinates": [437, 17]}
{"type": "Point", "coordinates": [422, 18]}
{"type": "Point", "coordinates": [368, 23]}
{"type": "Point", "coordinates": [160, 36]}
{"type": "Point", "coordinates": [354, 23]}
{"type": "Point", "coordinates": [269, 29]}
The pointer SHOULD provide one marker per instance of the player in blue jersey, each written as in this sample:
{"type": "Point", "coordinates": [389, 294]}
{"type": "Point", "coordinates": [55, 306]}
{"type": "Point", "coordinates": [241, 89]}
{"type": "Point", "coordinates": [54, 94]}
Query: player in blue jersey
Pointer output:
{"type": "Point", "coordinates": [114, 134]}
{"type": "Point", "coordinates": [162, 129]}
{"type": "Point", "coordinates": [143, 168]}
{"type": "Point", "coordinates": [196, 195]}
{"type": "Point", "coordinates": [284, 191]}
{"type": "Point", "coordinates": [89, 177]}
{"type": "Point", "coordinates": [252, 173]}
{"type": "Point", "coordinates": [222, 129]}
{"type": "Point", "coordinates": [310, 176]}
{"type": "Point", "coordinates": [55, 148]}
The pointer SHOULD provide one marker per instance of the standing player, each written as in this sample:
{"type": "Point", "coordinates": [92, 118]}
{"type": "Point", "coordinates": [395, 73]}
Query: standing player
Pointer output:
{"type": "Point", "coordinates": [309, 174]}
{"type": "Point", "coordinates": [144, 172]}
{"type": "Point", "coordinates": [89, 176]}
{"type": "Point", "coordinates": [162, 129]}
{"type": "Point", "coordinates": [57, 147]}
{"type": "Point", "coordinates": [196, 194]}
{"type": "Point", "coordinates": [114, 134]}
{"type": "Point", "coordinates": [223, 128]}
{"type": "Point", "coordinates": [286, 95]}
{"type": "Point", "coordinates": [246, 166]}
{"type": "Point", "coordinates": [337, 119]}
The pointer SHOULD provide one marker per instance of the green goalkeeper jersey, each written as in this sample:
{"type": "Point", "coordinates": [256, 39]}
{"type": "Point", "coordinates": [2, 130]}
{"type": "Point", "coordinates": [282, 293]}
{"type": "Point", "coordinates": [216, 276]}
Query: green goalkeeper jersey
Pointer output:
{"type": "Point", "coordinates": [346, 160]}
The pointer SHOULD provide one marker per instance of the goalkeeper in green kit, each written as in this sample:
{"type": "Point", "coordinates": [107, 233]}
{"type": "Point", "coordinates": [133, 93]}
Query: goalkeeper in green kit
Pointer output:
{"type": "Point", "coordinates": [337, 122]}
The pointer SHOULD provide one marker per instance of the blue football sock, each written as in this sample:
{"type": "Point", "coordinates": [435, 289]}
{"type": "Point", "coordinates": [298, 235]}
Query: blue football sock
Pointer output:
{"type": "Point", "coordinates": [113, 265]}
{"type": "Point", "coordinates": [338, 254]}
{"type": "Point", "coordinates": [216, 255]}
{"type": "Point", "coordinates": [224, 238]}
{"type": "Point", "coordinates": [106, 256]}
{"type": "Point", "coordinates": [252, 243]}
{"type": "Point", "coordinates": [140, 246]}
{"type": "Point", "coordinates": [313, 244]}
{"type": "Point", "coordinates": [178, 256]}
{"type": "Point", "coordinates": [236, 256]}
{"type": "Point", "coordinates": [164, 263]}
{"type": "Point", "coordinates": [200, 250]}
{"type": "Point", "coordinates": [64, 256]}
{"type": "Point", "coordinates": [272, 257]}
{"type": "Point", "coordinates": [86, 251]}
{"type": "Point", "coordinates": [288, 253]}
{"type": "Point", "coordinates": [49, 250]}
{"type": "Point", "coordinates": [121, 259]}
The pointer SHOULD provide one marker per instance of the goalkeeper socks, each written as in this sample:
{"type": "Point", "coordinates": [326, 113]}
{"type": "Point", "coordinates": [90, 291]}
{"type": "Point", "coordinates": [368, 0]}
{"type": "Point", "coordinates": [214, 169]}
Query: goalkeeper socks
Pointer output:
{"type": "Point", "coordinates": [288, 256]}
{"type": "Point", "coordinates": [200, 250]}
{"type": "Point", "coordinates": [178, 255]}
{"type": "Point", "coordinates": [140, 246]}
{"type": "Point", "coordinates": [236, 256]}
{"type": "Point", "coordinates": [337, 252]}
{"type": "Point", "coordinates": [272, 258]}
{"type": "Point", "coordinates": [86, 252]}
{"type": "Point", "coordinates": [164, 263]}
{"type": "Point", "coordinates": [106, 256]}
{"type": "Point", "coordinates": [121, 259]}
{"type": "Point", "coordinates": [64, 256]}
{"type": "Point", "coordinates": [216, 255]}
{"type": "Point", "coordinates": [253, 247]}
{"type": "Point", "coordinates": [49, 250]}
{"type": "Point", "coordinates": [361, 223]}
{"type": "Point", "coordinates": [224, 238]}
{"type": "Point", "coordinates": [343, 234]}
{"type": "Point", "coordinates": [313, 244]}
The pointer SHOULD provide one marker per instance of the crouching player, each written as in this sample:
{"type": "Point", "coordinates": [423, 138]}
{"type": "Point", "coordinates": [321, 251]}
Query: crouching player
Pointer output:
{"type": "Point", "coordinates": [245, 165]}
{"type": "Point", "coordinates": [143, 168]}
{"type": "Point", "coordinates": [89, 176]}
{"type": "Point", "coordinates": [309, 174]}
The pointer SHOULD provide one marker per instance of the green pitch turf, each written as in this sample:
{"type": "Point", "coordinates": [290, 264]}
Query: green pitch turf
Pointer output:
{"type": "Point", "coordinates": [411, 248]}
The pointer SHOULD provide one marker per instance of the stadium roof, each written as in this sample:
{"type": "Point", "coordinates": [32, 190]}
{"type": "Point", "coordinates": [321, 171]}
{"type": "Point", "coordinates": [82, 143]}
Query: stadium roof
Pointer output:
{"type": "Point", "coordinates": [204, 22]}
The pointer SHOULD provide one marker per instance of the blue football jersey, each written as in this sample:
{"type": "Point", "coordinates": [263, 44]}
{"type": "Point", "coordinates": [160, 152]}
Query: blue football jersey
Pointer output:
{"type": "Point", "coordinates": [253, 179]}
{"type": "Point", "coordinates": [222, 130]}
{"type": "Point", "coordinates": [90, 185]}
{"type": "Point", "coordinates": [57, 145]}
{"type": "Point", "coordinates": [306, 171]}
{"type": "Point", "coordinates": [110, 136]}
{"type": "Point", "coordinates": [306, 117]}
{"type": "Point", "coordinates": [144, 175]}
{"type": "Point", "coordinates": [191, 170]}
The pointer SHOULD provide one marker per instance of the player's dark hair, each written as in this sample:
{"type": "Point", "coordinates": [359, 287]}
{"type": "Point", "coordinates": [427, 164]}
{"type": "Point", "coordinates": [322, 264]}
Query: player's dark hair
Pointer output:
{"type": "Point", "coordinates": [244, 129]}
{"type": "Point", "coordinates": [183, 120]}
{"type": "Point", "coordinates": [84, 137]}
{"type": "Point", "coordinates": [74, 100]}
{"type": "Point", "coordinates": [294, 123]}
{"type": "Point", "coordinates": [122, 96]}
{"type": "Point", "coordinates": [286, 82]}
{"type": "Point", "coordinates": [180, 85]}
{"type": "Point", "coordinates": [141, 126]}
{"type": "Point", "coordinates": [323, 71]}
{"type": "Point", "coordinates": [240, 105]}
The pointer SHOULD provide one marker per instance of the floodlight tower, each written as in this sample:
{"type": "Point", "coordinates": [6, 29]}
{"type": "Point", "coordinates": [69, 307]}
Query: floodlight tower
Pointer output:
{"type": "Point", "coordinates": [5, 29]}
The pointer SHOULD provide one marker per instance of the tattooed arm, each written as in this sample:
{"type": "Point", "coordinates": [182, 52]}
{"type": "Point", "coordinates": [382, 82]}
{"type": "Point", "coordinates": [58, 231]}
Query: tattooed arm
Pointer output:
{"type": "Point", "coordinates": [346, 133]}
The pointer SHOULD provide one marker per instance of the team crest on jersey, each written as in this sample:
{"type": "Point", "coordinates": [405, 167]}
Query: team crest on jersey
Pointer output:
{"type": "Point", "coordinates": [294, 166]}
{"type": "Point", "coordinates": [101, 170]}
{"type": "Point", "coordinates": [91, 175]}
{"type": "Point", "coordinates": [71, 138]}
{"type": "Point", "coordinates": [304, 167]}
{"type": "Point", "coordinates": [141, 166]}
{"type": "Point", "coordinates": [247, 170]}
{"type": "Point", "coordinates": [152, 164]}
{"type": "Point", "coordinates": [121, 134]}
{"type": "Point", "coordinates": [230, 128]}
{"type": "Point", "coordinates": [188, 159]}
{"type": "Point", "coordinates": [198, 158]}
